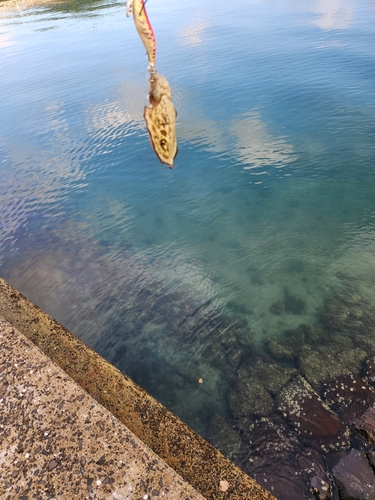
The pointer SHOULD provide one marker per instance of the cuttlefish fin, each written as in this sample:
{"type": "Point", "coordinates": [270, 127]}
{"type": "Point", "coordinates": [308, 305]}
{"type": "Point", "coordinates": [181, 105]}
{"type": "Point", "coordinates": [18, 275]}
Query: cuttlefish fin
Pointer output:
{"type": "Point", "coordinates": [161, 126]}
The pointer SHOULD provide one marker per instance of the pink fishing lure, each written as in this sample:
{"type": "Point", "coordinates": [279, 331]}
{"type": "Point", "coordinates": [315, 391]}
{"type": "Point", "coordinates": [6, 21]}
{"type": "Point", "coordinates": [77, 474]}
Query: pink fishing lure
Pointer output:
{"type": "Point", "coordinates": [143, 26]}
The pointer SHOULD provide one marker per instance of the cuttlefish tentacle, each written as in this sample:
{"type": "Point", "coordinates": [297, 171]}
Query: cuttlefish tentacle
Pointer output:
{"type": "Point", "coordinates": [159, 86]}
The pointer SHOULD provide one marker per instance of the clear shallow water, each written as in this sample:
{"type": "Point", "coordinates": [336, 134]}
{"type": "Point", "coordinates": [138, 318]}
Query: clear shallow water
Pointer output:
{"type": "Point", "coordinates": [267, 217]}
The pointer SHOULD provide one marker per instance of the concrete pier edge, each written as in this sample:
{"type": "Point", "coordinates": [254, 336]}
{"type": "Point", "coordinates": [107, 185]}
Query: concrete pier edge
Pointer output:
{"type": "Point", "coordinates": [57, 442]}
{"type": "Point", "coordinates": [197, 462]}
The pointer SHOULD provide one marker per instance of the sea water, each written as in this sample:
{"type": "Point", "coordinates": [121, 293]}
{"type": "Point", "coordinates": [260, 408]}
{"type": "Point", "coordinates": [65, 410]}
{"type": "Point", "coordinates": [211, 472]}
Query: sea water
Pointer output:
{"type": "Point", "coordinates": [188, 275]}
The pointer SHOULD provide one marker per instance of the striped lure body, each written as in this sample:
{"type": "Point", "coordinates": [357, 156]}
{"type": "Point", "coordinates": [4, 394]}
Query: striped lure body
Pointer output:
{"type": "Point", "coordinates": [144, 28]}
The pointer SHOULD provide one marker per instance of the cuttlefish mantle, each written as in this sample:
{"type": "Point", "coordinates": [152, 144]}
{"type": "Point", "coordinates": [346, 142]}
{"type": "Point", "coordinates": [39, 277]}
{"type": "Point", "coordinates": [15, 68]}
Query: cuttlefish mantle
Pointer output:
{"type": "Point", "coordinates": [161, 119]}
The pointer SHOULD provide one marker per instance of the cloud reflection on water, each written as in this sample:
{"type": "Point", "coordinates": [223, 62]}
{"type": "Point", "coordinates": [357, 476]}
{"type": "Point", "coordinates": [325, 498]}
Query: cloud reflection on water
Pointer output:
{"type": "Point", "coordinates": [334, 14]}
{"type": "Point", "coordinates": [35, 177]}
{"type": "Point", "coordinates": [6, 41]}
{"type": "Point", "coordinates": [125, 109]}
{"type": "Point", "coordinates": [194, 33]}
{"type": "Point", "coordinates": [245, 138]}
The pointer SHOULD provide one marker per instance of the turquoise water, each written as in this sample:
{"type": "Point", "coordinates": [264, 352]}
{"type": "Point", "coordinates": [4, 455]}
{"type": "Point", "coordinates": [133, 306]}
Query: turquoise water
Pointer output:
{"type": "Point", "coordinates": [187, 274]}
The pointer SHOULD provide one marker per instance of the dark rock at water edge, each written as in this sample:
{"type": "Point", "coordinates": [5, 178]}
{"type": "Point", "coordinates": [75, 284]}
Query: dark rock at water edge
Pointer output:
{"type": "Point", "coordinates": [276, 458]}
{"type": "Point", "coordinates": [349, 396]}
{"type": "Point", "coordinates": [320, 488]}
{"type": "Point", "coordinates": [354, 477]}
{"type": "Point", "coordinates": [311, 418]}
{"type": "Point", "coordinates": [365, 425]}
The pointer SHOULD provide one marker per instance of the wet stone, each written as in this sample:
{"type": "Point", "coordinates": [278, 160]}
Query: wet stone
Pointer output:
{"type": "Point", "coordinates": [365, 425]}
{"type": "Point", "coordinates": [311, 418]}
{"type": "Point", "coordinates": [348, 395]}
{"type": "Point", "coordinates": [320, 488]}
{"type": "Point", "coordinates": [274, 455]}
{"type": "Point", "coordinates": [371, 458]}
{"type": "Point", "coordinates": [354, 477]}
{"type": "Point", "coordinates": [269, 455]}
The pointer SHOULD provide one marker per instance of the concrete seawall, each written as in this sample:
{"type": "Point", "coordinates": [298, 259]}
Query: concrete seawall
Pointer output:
{"type": "Point", "coordinates": [195, 460]}
{"type": "Point", "coordinates": [58, 442]}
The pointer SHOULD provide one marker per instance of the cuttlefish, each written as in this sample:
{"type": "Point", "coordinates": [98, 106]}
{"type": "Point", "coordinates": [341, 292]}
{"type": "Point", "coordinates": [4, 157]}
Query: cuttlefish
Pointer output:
{"type": "Point", "coordinates": [160, 118]}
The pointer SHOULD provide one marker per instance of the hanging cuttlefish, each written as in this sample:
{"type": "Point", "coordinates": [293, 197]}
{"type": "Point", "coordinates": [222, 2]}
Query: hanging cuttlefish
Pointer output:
{"type": "Point", "coordinates": [161, 116]}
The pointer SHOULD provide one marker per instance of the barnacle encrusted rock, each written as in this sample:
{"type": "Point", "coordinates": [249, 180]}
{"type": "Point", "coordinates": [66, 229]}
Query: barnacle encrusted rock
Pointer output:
{"type": "Point", "coordinates": [312, 418]}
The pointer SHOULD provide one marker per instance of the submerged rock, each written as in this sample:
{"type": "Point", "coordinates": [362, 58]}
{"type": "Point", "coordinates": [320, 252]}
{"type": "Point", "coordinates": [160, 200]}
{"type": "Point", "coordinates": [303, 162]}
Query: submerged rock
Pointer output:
{"type": "Point", "coordinates": [289, 345]}
{"type": "Point", "coordinates": [278, 351]}
{"type": "Point", "coordinates": [314, 335]}
{"type": "Point", "coordinates": [272, 376]}
{"type": "Point", "coordinates": [349, 313]}
{"type": "Point", "coordinates": [371, 458]}
{"type": "Point", "coordinates": [292, 303]}
{"type": "Point", "coordinates": [311, 418]}
{"type": "Point", "coordinates": [224, 437]}
{"type": "Point", "coordinates": [249, 397]}
{"type": "Point", "coordinates": [277, 308]}
{"type": "Point", "coordinates": [319, 365]}
{"type": "Point", "coordinates": [354, 477]}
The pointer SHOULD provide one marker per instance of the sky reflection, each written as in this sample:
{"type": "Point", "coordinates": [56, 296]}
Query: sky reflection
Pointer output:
{"type": "Point", "coordinates": [333, 14]}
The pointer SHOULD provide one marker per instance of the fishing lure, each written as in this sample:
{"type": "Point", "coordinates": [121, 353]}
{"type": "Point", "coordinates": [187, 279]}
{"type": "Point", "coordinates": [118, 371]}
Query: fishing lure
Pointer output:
{"type": "Point", "coordinates": [143, 26]}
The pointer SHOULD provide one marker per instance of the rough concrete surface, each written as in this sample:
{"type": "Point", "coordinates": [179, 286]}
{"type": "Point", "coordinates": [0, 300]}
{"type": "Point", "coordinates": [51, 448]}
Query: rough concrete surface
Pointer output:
{"type": "Point", "coordinates": [199, 463]}
{"type": "Point", "coordinates": [58, 442]}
